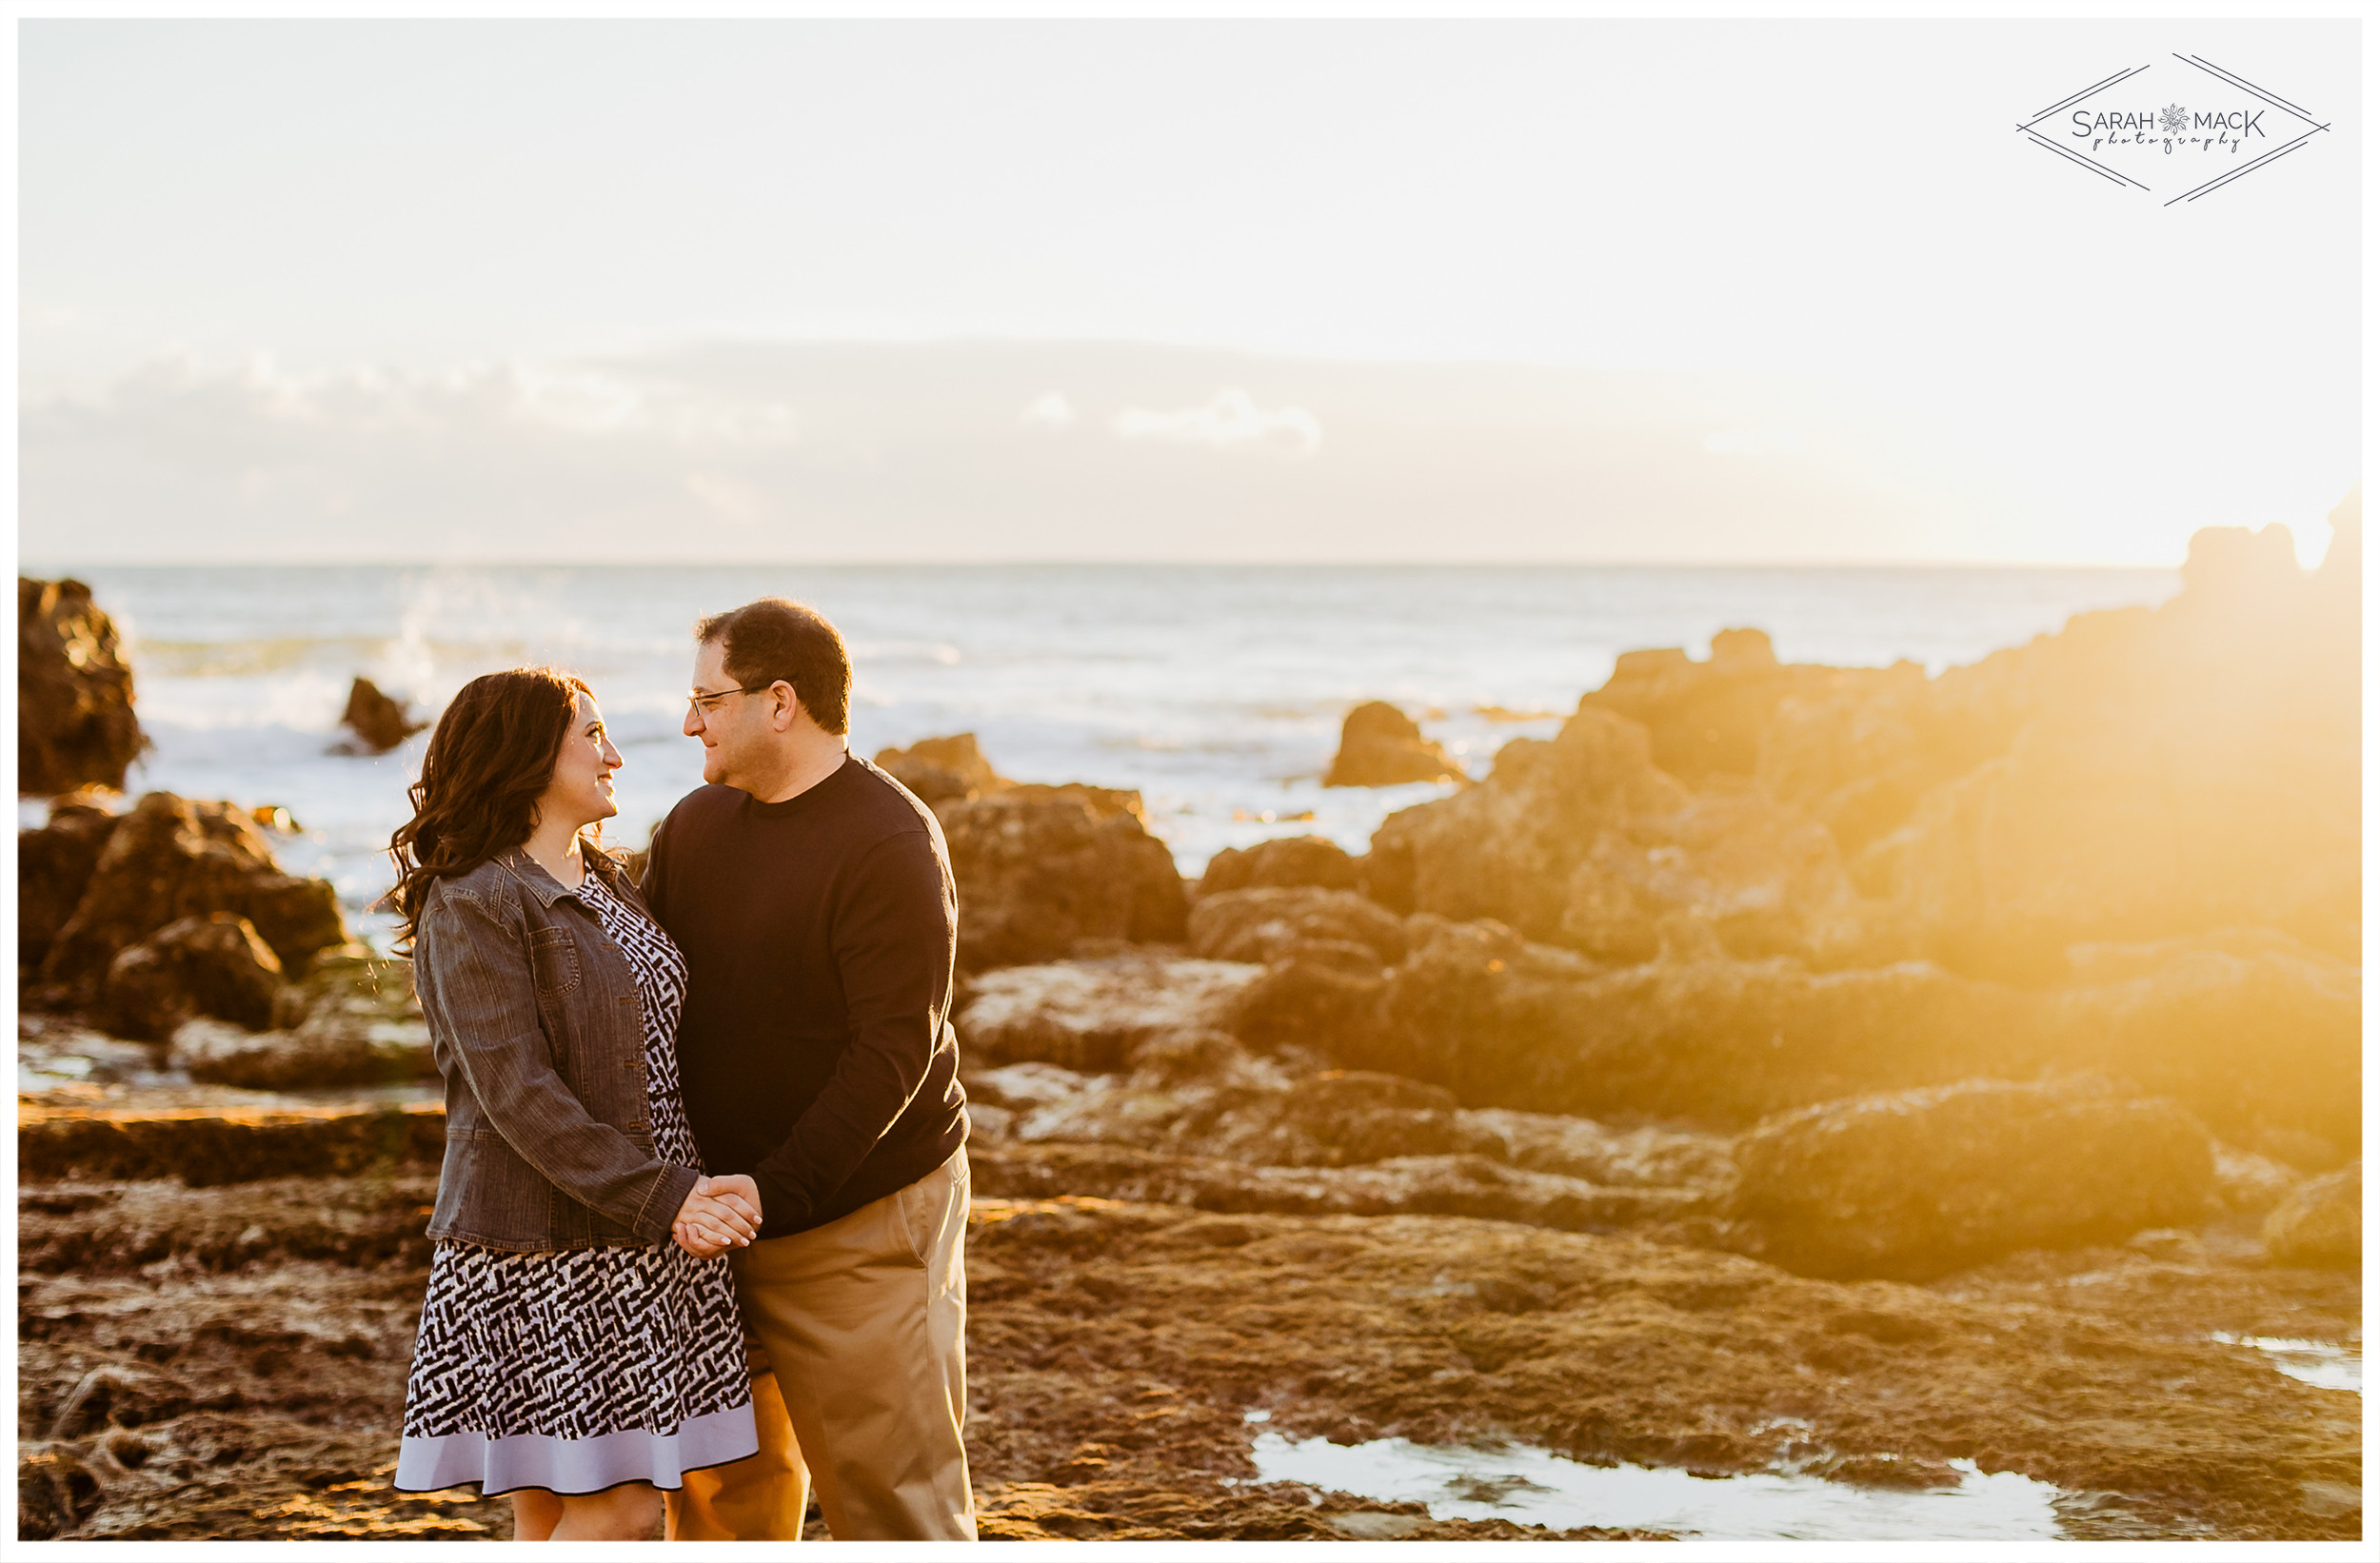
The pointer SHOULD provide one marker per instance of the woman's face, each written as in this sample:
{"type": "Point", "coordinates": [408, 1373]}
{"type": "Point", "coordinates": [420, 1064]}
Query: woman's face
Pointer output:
{"type": "Point", "coordinates": [581, 789]}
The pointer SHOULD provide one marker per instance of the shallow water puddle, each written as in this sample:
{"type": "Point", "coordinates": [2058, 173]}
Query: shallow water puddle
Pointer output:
{"type": "Point", "coordinates": [1535, 1486]}
{"type": "Point", "coordinates": [2317, 1362]}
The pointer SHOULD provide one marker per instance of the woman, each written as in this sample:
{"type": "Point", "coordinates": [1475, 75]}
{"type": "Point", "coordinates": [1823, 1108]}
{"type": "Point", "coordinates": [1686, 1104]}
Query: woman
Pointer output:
{"type": "Point", "coordinates": [568, 1353]}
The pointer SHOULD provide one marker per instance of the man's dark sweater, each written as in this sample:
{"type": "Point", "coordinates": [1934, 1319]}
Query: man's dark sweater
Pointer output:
{"type": "Point", "coordinates": [815, 1051]}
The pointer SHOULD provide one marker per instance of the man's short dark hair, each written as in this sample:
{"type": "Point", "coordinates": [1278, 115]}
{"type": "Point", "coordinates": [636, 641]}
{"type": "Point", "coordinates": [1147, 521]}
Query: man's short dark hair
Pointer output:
{"type": "Point", "coordinates": [775, 638]}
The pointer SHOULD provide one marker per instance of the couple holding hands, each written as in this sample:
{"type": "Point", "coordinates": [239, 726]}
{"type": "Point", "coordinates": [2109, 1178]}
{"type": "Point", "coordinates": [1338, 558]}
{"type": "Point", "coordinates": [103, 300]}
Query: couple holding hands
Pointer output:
{"type": "Point", "coordinates": [691, 1120]}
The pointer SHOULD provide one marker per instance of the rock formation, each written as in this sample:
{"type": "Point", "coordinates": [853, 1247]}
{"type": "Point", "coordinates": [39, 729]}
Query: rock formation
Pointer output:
{"type": "Point", "coordinates": [1922, 1183]}
{"type": "Point", "coordinates": [2320, 1223]}
{"type": "Point", "coordinates": [353, 1022]}
{"type": "Point", "coordinates": [211, 964]}
{"type": "Point", "coordinates": [1380, 746]}
{"type": "Point", "coordinates": [53, 867]}
{"type": "Point", "coordinates": [1283, 862]}
{"type": "Point", "coordinates": [939, 769]}
{"type": "Point", "coordinates": [168, 859]}
{"type": "Point", "coordinates": [1584, 842]}
{"type": "Point", "coordinates": [1264, 925]}
{"type": "Point", "coordinates": [74, 721]}
{"type": "Point", "coordinates": [1043, 870]}
{"type": "Point", "coordinates": [378, 721]}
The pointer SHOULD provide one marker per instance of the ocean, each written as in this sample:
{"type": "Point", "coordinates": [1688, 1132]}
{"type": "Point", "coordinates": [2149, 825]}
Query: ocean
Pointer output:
{"type": "Point", "coordinates": [1215, 691]}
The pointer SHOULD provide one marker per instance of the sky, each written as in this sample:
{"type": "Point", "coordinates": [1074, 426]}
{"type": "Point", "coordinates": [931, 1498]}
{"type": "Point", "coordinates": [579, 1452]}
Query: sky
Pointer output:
{"type": "Point", "coordinates": [1694, 291]}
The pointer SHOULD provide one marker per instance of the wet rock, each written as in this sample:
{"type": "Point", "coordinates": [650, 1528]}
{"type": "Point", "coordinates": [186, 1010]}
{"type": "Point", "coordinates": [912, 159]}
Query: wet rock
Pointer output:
{"type": "Point", "coordinates": [2321, 1223]}
{"type": "Point", "coordinates": [1041, 870]}
{"type": "Point", "coordinates": [213, 964]}
{"type": "Point", "coordinates": [1284, 863]}
{"type": "Point", "coordinates": [1336, 1119]}
{"type": "Point", "coordinates": [1380, 746]}
{"type": "Point", "coordinates": [173, 857]}
{"type": "Point", "coordinates": [202, 1148]}
{"type": "Point", "coordinates": [1435, 1185]}
{"type": "Point", "coordinates": [1584, 842]}
{"type": "Point", "coordinates": [74, 721]}
{"type": "Point", "coordinates": [53, 867]}
{"type": "Point", "coordinates": [939, 769]}
{"type": "Point", "coordinates": [1266, 924]}
{"type": "Point", "coordinates": [1922, 1183]}
{"type": "Point", "coordinates": [1642, 1155]}
{"type": "Point", "coordinates": [1092, 1014]}
{"type": "Point", "coordinates": [378, 721]}
{"type": "Point", "coordinates": [114, 1228]}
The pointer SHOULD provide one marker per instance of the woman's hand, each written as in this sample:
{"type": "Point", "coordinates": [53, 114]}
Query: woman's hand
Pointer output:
{"type": "Point", "coordinates": [720, 1214]}
{"type": "Point", "coordinates": [714, 1219]}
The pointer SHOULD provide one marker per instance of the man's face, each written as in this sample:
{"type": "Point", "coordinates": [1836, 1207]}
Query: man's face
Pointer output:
{"type": "Point", "coordinates": [729, 728]}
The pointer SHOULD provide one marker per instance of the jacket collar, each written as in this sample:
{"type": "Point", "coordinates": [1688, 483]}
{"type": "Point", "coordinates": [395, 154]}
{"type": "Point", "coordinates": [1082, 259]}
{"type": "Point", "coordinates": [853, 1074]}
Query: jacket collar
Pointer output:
{"type": "Point", "coordinates": [535, 879]}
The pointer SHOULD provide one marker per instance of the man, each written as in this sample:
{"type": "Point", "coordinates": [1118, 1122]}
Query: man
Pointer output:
{"type": "Point", "coordinates": [812, 896]}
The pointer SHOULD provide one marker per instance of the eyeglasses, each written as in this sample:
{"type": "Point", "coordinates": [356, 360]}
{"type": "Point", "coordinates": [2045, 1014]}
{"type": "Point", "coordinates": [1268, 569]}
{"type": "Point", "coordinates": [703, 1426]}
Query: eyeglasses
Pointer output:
{"type": "Point", "coordinates": [700, 703]}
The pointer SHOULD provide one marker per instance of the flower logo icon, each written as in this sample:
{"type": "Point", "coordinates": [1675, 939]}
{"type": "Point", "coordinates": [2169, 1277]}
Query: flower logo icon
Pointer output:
{"type": "Point", "coordinates": [2173, 119]}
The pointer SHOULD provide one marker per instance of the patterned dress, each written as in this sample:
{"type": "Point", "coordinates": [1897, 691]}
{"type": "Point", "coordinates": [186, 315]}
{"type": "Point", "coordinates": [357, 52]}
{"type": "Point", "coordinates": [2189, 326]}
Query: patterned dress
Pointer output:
{"type": "Point", "coordinates": [581, 1369]}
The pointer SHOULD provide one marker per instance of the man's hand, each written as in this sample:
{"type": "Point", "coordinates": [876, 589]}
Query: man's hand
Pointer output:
{"type": "Point", "coordinates": [735, 1188]}
{"type": "Point", "coordinates": [707, 1224]}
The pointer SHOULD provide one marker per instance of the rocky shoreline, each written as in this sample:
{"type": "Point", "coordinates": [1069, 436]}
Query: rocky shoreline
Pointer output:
{"type": "Point", "coordinates": [1837, 1074]}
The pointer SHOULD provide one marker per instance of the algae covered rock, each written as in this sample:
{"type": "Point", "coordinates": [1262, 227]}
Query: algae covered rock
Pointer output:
{"type": "Point", "coordinates": [354, 1021]}
{"type": "Point", "coordinates": [173, 857]}
{"type": "Point", "coordinates": [1916, 1183]}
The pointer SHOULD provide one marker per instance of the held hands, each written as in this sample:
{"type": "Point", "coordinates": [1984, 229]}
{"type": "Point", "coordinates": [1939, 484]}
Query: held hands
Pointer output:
{"type": "Point", "coordinates": [720, 1214]}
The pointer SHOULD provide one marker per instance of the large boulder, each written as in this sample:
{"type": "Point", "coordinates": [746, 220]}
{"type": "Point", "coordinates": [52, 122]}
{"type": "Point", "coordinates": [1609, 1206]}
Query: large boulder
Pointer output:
{"type": "Point", "coordinates": [1282, 863]}
{"type": "Point", "coordinates": [170, 858]}
{"type": "Point", "coordinates": [1041, 870]}
{"type": "Point", "coordinates": [1918, 1183]}
{"type": "Point", "coordinates": [2183, 769]}
{"type": "Point", "coordinates": [1263, 925]}
{"type": "Point", "coordinates": [1584, 842]}
{"type": "Point", "coordinates": [2321, 1223]}
{"type": "Point", "coordinates": [939, 769]}
{"type": "Point", "coordinates": [378, 721]}
{"type": "Point", "coordinates": [1380, 746]}
{"type": "Point", "coordinates": [74, 721]}
{"type": "Point", "coordinates": [53, 868]}
{"type": "Point", "coordinates": [213, 964]}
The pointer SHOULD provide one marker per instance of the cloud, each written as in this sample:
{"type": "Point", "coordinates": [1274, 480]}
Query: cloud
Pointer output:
{"type": "Point", "coordinates": [1231, 422]}
{"type": "Point", "coordinates": [1753, 442]}
{"type": "Point", "coordinates": [472, 398]}
{"type": "Point", "coordinates": [1050, 410]}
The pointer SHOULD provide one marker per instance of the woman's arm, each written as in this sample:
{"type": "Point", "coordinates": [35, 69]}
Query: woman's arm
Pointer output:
{"type": "Point", "coordinates": [476, 991]}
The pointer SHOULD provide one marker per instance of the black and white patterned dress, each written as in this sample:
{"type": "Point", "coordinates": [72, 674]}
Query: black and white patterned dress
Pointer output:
{"type": "Point", "coordinates": [581, 1369]}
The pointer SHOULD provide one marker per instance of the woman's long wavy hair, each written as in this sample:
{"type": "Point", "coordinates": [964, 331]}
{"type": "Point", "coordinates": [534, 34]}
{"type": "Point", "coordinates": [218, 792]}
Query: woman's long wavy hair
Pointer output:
{"type": "Point", "coordinates": [489, 759]}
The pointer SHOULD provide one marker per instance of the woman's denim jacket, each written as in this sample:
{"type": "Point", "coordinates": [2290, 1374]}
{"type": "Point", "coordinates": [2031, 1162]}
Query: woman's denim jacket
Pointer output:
{"type": "Point", "coordinates": [539, 1030]}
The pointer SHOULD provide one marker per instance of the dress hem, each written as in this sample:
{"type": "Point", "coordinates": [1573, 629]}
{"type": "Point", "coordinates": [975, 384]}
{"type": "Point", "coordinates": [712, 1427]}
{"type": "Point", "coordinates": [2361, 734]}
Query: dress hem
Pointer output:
{"type": "Point", "coordinates": [576, 1467]}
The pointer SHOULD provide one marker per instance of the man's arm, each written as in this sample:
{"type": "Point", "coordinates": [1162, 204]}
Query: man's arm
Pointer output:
{"type": "Point", "coordinates": [896, 930]}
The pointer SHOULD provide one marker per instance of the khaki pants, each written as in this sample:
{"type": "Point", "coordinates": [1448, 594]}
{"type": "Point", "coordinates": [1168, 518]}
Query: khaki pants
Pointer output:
{"type": "Point", "coordinates": [864, 1322]}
